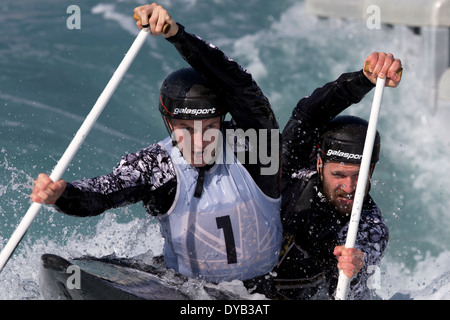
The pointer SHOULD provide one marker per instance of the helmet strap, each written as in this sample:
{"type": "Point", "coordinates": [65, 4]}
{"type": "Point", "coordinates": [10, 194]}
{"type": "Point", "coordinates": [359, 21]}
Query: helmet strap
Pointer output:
{"type": "Point", "coordinates": [199, 185]}
{"type": "Point", "coordinates": [168, 125]}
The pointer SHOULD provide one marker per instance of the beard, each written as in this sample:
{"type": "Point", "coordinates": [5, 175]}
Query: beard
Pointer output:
{"type": "Point", "coordinates": [338, 198]}
{"type": "Point", "coordinates": [342, 201]}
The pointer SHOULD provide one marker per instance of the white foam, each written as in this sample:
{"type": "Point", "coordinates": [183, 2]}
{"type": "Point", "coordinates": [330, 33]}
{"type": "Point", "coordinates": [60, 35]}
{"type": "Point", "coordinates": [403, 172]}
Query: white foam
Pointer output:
{"type": "Point", "coordinates": [139, 237]}
{"type": "Point", "coordinates": [125, 21]}
{"type": "Point", "coordinates": [108, 11]}
{"type": "Point", "coordinates": [429, 280]}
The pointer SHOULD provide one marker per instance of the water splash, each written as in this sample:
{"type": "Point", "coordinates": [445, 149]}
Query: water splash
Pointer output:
{"type": "Point", "coordinates": [290, 54]}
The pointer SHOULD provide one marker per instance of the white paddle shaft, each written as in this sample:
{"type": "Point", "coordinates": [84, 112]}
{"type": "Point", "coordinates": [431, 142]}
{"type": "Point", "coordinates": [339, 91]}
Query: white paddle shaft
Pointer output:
{"type": "Point", "coordinates": [73, 147]}
{"type": "Point", "coordinates": [344, 281]}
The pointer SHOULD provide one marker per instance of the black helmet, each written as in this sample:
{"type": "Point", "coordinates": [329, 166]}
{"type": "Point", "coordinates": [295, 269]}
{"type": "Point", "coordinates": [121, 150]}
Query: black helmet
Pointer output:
{"type": "Point", "coordinates": [185, 94]}
{"type": "Point", "coordinates": [343, 140]}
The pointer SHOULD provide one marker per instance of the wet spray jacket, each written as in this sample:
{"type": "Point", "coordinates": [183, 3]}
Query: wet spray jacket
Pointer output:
{"type": "Point", "coordinates": [312, 228]}
{"type": "Point", "coordinates": [231, 233]}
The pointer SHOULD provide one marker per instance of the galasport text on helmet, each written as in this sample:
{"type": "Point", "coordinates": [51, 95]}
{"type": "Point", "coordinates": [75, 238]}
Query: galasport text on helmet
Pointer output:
{"type": "Point", "coordinates": [343, 140]}
{"type": "Point", "coordinates": [185, 94]}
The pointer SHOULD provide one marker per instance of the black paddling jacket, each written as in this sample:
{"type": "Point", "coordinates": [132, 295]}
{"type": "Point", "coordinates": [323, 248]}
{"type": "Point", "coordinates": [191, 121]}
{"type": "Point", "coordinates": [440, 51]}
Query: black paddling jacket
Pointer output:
{"type": "Point", "coordinates": [312, 228]}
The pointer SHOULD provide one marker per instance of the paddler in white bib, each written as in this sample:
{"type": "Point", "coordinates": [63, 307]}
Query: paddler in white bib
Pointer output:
{"type": "Point", "coordinates": [219, 212]}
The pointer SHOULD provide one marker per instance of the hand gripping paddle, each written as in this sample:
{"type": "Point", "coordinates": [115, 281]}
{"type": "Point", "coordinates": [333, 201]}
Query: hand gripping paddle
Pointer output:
{"type": "Point", "coordinates": [73, 147]}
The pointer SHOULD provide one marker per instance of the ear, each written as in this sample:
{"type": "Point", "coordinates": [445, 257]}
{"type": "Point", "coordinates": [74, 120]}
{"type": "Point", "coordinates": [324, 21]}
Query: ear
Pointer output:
{"type": "Point", "coordinates": [319, 167]}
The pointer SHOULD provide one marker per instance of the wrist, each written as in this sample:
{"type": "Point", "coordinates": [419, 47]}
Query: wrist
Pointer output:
{"type": "Point", "coordinates": [175, 32]}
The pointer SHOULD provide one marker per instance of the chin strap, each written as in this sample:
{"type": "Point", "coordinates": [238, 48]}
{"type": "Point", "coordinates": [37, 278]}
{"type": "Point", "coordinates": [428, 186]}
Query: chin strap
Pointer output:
{"type": "Point", "coordinates": [200, 179]}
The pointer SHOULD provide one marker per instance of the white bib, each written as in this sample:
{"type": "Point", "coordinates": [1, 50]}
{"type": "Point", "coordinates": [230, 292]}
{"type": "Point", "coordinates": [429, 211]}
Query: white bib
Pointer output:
{"type": "Point", "coordinates": [233, 231]}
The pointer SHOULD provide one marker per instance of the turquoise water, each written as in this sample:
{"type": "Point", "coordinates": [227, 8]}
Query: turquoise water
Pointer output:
{"type": "Point", "coordinates": [50, 77]}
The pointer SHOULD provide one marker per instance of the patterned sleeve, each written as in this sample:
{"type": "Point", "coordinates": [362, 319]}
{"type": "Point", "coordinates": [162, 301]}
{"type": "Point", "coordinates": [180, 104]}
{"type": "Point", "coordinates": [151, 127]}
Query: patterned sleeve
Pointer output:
{"type": "Point", "coordinates": [138, 177]}
{"type": "Point", "coordinates": [373, 236]}
{"type": "Point", "coordinates": [372, 239]}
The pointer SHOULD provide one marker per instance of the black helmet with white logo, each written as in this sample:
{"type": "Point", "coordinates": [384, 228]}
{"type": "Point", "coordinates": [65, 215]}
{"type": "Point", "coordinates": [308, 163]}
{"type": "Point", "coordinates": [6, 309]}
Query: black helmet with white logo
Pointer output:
{"type": "Point", "coordinates": [185, 94]}
{"type": "Point", "coordinates": [343, 140]}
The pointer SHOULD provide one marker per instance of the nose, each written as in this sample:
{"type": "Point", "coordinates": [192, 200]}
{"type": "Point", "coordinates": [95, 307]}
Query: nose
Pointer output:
{"type": "Point", "coordinates": [349, 184]}
{"type": "Point", "coordinates": [198, 141]}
